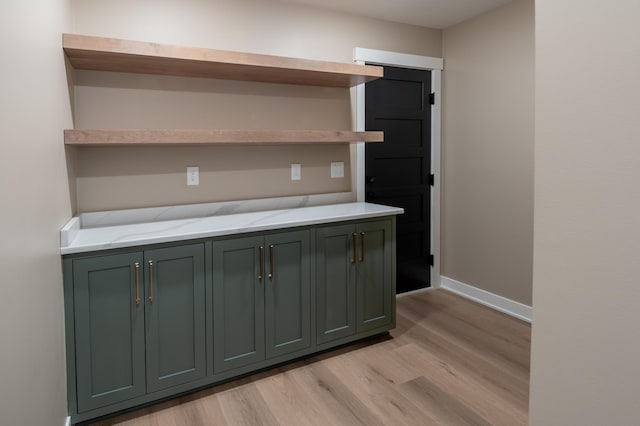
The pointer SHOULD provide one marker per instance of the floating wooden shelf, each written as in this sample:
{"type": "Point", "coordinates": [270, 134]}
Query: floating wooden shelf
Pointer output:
{"type": "Point", "coordinates": [110, 54]}
{"type": "Point", "coordinates": [90, 137]}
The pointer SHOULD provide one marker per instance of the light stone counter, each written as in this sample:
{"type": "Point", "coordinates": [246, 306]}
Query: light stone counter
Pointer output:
{"type": "Point", "coordinates": [79, 237]}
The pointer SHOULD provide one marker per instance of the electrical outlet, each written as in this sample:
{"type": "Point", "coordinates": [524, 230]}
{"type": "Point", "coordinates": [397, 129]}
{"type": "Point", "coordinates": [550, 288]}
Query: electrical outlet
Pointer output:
{"type": "Point", "coordinates": [337, 169]}
{"type": "Point", "coordinates": [295, 172]}
{"type": "Point", "coordinates": [193, 175]}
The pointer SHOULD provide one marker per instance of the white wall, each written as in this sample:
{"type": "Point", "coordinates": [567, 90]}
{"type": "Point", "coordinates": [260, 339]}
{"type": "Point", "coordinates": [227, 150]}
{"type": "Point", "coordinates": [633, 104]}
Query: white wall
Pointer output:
{"type": "Point", "coordinates": [34, 194]}
{"type": "Point", "coordinates": [487, 154]}
{"type": "Point", "coordinates": [586, 289]}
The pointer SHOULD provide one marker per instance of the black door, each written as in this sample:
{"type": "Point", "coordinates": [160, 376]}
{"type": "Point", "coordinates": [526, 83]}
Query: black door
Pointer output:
{"type": "Point", "coordinates": [397, 171]}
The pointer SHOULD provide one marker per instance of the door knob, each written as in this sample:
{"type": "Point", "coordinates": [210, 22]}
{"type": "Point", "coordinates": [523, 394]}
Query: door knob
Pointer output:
{"type": "Point", "coordinates": [370, 179]}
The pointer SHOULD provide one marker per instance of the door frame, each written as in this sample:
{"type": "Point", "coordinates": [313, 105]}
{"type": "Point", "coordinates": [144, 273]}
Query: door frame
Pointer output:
{"type": "Point", "coordinates": [403, 60]}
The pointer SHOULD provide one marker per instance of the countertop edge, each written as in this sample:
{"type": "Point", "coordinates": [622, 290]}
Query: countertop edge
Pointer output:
{"type": "Point", "coordinates": [380, 211]}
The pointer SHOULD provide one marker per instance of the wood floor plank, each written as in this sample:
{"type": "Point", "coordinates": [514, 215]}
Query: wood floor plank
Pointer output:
{"type": "Point", "coordinates": [445, 407]}
{"type": "Point", "coordinates": [476, 396]}
{"type": "Point", "coordinates": [211, 411]}
{"type": "Point", "coordinates": [380, 360]}
{"type": "Point", "coordinates": [378, 394]}
{"type": "Point", "coordinates": [245, 406]}
{"type": "Point", "coordinates": [290, 402]}
{"type": "Point", "coordinates": [468, 362]}
{"type": "Point", "coordinates": [449, 361]}
{"type": "Point", "coordinates": [471, 333]}
{"type": "Point", "coordinates": [335, 395]}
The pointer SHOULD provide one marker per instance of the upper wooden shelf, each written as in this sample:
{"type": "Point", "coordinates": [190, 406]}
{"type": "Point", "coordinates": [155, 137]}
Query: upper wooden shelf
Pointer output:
{"type": "Point", "coordinates": [92, 137]}
{"type": "Point", "coordinates": [110, 54]}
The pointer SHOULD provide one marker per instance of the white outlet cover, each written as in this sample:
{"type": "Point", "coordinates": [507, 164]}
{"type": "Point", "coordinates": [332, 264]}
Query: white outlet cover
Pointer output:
{"type": "Point", "coordinates": [337, 169]}
{"type": "Point", "coordinates": [295, 172]}
{"type": "Point", "coordinates": [193, 175]}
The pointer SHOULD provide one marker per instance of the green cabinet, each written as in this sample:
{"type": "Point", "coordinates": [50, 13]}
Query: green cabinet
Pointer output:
{"type": "Point", "coordinates": [175, 317]}
{"type": "Point", "coordinates": [109, 330]}
{"type": "Point", "coordinates": [238, 303]}
{"type": "Point", "coordinates": [354, 289]}
{"type": "Point", "coordinates": [287, 293]}
{"type": "Point", "coordinates": [138, 323]}
{"type": "Point", "coordinates": [335, 283]}
{"type": "Point", "coordinates": [375, 286]}
{"type": "Point", "coordinates": [146, 324]}
{"type": "Point", "coordinates": [261, 298]}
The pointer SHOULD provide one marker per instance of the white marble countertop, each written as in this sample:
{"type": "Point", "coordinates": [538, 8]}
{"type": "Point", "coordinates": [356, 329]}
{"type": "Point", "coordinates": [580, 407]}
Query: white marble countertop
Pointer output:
{"type": "Point", "coordinates": [76, 239]}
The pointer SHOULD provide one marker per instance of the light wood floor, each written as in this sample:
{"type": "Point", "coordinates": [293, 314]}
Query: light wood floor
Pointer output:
{"type": "Point", "coordinates": [449, 361]}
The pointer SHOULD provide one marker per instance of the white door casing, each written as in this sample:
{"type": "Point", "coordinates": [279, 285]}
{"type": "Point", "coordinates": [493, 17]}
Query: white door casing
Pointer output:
{"type": "Point", "coordinates": [403, 60]}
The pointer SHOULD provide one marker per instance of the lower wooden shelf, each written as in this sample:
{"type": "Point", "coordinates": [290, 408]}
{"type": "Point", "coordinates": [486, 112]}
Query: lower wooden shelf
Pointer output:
{"type": "Point", "coordinates": [94, 137]}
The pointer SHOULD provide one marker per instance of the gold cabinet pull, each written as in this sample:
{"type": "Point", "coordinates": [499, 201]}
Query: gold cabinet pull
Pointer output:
{"type": "Point", "coordinates": [353, 245]}
{"type": "Point", "coordinates": [137, 266]}
{"type": "Point", "coordinates": [151, 281]}
{"type": "Point", "coordinates": [261, 249]}
{"type": "Point", "coordinates": [361, 247]}
{"type": "Point", "coordinates": [271, 271]}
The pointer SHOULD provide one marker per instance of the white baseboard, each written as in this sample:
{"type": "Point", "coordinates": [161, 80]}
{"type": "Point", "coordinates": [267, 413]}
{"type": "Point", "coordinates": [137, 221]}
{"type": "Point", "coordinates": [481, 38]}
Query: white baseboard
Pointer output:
{"type": "Point", "coordinates": [68, 422]}
{"type": "Point", "coordinates": [499, 303]}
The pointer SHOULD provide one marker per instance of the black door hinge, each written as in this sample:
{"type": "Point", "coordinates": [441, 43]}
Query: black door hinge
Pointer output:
{"type": "Point", "coordinates": [432, 179]}
{"type": "Point", "coordinates": [431, 260]}
{"type": "Point", "coordinates": [432, 98]}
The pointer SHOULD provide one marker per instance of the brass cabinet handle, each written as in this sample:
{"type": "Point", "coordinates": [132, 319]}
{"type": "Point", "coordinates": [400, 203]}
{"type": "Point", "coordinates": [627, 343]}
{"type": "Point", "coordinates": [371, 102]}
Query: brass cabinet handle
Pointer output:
{"type": "Point", "coordinates": [261, 249]}
{"type": "Point", "coordinates": [137, 266]}
{"type": "Point", "coordinates": [271, 271]}
{"type": "Point", "coordinates": [151, 281]}
{"type": "Point", "coordinates": [353, 245]}
{"type": "Point", "coordinates": [361, 247]}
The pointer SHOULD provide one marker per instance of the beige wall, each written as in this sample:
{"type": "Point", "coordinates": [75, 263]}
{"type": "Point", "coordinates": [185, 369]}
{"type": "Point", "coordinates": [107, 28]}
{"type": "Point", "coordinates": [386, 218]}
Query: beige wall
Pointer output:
{"type": "Point", "coordinates": [111, 178]}
{"type": "Point", "coordinates": [116, 178]}
{"type": "Point", "coordinates": [586, 298]}
{"type": "Point", "coordinates": [258, 26]}
{"type": "Point", "coordinates": [34, 194]}
{"type": "Point", "coordinates": [487, 159]}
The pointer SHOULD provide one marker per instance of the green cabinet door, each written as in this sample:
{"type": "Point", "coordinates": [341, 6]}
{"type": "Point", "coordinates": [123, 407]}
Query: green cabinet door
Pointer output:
{"type": "Point", "coordinates": [375, 293]}
{"type": "Point", "coordinates": [287, 292]}
{"type": "Point", "coordinates": [175, 315]}
{"type": "Point", "coordinates": [261, 298]}
{"type": "Point", "coordinates": [238, 303]}
{"type": "Point", "coordinates": [336, 282]}
{"type": "Point", "coordinates": [355, 283]}
{"type": "Point", "coordinates": [109, 329]}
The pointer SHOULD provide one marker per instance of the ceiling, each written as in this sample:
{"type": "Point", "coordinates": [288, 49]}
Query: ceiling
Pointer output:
{"type": "Point", "coordinates": [427, 13]}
